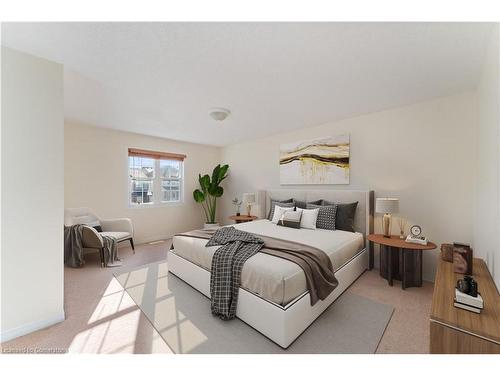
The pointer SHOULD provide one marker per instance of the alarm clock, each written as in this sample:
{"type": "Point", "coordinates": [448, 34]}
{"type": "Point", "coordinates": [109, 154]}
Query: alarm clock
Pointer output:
{"type": "Point", "coordinates": [415, 230]}
{"type": "Point", "coordinates": [415, 236]}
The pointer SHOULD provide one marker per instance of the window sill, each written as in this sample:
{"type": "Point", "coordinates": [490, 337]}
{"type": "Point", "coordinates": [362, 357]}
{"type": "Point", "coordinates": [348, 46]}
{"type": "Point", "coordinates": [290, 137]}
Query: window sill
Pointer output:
{"type": "Point", "coordinates": [155, 205]}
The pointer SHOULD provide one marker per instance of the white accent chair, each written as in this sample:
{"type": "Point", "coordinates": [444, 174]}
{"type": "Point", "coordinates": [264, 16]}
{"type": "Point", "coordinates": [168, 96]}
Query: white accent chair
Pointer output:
{"type": "Point", "coordinates": [121, 229]}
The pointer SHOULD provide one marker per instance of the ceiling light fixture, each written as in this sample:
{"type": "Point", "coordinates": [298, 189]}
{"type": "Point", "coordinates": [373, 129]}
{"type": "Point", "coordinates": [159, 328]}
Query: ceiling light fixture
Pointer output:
{"type": "Point", "coordinates": [219, 114]}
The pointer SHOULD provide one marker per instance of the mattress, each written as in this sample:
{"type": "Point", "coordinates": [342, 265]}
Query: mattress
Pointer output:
{"type": "Point", "coordinates": [275, 279]}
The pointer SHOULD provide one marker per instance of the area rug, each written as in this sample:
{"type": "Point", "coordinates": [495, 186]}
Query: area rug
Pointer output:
{"type": "Point", "coordinates": [181, 315]}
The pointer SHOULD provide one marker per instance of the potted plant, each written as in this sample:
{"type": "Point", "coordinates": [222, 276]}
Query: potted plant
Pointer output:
{"type": "Point", "coordinates": [209, 191]}
{"type": "Point", "coordinates": [237, 203]}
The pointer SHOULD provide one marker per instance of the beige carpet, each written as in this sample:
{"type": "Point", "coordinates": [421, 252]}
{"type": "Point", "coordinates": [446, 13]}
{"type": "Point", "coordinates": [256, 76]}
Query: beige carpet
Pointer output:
{"type": "Point", "coordinates": [102, 318]}
{"type": "Point", "coordinates": [181, 315]}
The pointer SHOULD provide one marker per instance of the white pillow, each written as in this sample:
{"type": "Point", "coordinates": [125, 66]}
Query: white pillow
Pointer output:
{"type": "Point", "coordinates": [279, 212]}
{"type": "Point", "coordinates": [309, 218]}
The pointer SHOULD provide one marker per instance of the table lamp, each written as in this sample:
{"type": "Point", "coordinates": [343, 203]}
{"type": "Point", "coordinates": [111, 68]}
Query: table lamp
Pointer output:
{"type": "Point", "coordinates": [387, 206]}
{"type": "Point", "coordinates": [249, 198]}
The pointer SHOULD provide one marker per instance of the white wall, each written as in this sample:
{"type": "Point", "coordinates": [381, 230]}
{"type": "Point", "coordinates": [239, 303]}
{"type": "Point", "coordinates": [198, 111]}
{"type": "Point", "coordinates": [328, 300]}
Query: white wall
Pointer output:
{"type": "Point", "coordinates": [487, 189]}
{"type": "Point", "coordinates": [96, 176]}
{"type": "Point", "coordinates": [32, 193]}
{"type": "Point", "coordinates": [422, 154]}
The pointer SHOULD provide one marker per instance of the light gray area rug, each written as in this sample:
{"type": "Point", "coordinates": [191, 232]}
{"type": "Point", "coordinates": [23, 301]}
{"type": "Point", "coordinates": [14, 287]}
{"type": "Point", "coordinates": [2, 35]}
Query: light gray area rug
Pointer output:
{"type": "Point", "coordinates": [181, 315]}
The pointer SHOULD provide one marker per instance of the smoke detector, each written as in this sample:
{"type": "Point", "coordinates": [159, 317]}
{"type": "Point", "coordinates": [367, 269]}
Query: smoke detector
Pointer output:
{"type": "Point", "coordinates": [219, 114]}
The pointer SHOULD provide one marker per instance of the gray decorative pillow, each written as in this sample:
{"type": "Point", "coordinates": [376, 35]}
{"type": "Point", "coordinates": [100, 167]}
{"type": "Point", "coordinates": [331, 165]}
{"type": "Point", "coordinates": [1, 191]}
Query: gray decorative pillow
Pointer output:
{"type": "Point", "coordinates": [345, 215]}
{"type": "Point", "coordinates": [326, 216]}
{"type": "Point", "coordinates": [291, 219]}
{"type": "Point", "coordinates": [303, 204]}
{"type": "Point", "coordinates": [285, 203]}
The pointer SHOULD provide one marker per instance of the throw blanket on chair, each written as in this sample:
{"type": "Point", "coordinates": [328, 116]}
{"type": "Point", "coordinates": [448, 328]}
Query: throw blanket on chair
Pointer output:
{"type": "Point", "coordinates": [317, 266]}
{"type": "Point", "coordinates": [227, 263]}
{"type": "Point", "coordinates": [73, 247]}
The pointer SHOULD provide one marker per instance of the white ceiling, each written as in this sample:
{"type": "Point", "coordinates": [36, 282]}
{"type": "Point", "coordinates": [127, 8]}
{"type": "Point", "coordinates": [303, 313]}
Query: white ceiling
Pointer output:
{"type": "Point", "coordinates": [162, 78]}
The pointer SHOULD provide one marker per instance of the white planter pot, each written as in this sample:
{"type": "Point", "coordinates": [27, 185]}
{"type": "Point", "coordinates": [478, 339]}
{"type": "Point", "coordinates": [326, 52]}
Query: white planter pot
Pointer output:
{"type": "Point", "coordinates": [210, 225]}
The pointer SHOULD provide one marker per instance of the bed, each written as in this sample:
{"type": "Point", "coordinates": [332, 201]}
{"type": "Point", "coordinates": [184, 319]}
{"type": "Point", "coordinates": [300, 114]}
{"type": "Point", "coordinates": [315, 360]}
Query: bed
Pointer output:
{"type": "Point", "coordinates": [273, 296]}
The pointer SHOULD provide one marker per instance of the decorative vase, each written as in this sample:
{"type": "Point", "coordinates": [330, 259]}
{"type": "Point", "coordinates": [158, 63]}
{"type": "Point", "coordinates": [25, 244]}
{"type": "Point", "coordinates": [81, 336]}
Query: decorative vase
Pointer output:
{"type": "Point", "coordinates": [386, 225]}
{"type": "Point", "coordinates": [211, 225]}
{"type": "Point", "coordinates": [402, 226]}
{"type": "Point", "coordinates": [238, 213]}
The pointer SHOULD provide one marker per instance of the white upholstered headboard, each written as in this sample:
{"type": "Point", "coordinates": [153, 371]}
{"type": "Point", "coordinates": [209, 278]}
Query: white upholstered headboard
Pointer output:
{"type": "Point", "coordinates": [363, 220]}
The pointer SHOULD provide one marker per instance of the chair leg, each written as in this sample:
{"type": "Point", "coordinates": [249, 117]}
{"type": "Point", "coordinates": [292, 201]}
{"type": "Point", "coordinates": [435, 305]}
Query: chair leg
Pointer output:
{"type": "Point", "coordinates": [101, 254]}
{"type": "Point", "coordinates": [132, 244]}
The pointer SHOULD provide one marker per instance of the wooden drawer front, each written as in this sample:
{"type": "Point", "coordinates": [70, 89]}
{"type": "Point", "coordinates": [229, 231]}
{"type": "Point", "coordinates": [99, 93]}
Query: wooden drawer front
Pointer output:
{"type": "Point", "coordinates": [446, 340]}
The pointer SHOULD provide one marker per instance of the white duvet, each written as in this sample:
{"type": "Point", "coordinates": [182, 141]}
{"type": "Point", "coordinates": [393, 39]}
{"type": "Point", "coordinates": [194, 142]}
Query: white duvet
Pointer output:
{"type": "Point", "coordinates": [276, 279]}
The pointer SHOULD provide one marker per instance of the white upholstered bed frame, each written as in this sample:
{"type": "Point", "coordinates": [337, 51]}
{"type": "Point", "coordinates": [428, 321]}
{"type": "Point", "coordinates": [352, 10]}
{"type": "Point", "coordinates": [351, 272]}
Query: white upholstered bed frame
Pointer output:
{"type": "Point", "coordinates": [283, 324]}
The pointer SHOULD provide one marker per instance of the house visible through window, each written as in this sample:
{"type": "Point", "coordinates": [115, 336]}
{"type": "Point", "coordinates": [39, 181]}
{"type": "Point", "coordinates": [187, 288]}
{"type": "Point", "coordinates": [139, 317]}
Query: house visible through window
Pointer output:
{"type": "Point", "coordinates": [155, 177]}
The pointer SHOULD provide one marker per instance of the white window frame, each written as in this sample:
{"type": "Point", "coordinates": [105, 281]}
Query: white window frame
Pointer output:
{"type": "Point", "coordinates": [180, 179]}
{"type": "Point", "coordinates": [157, 190]}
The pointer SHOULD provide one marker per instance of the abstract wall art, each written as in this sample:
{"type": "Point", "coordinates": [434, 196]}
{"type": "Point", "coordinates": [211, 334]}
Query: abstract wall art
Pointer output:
{"type": "Point", "coordinates": [317, 161]}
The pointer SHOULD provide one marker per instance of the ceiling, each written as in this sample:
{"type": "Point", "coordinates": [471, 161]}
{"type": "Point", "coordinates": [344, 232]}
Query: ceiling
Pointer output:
{"type": "Point", "coordinates": [161, 79]}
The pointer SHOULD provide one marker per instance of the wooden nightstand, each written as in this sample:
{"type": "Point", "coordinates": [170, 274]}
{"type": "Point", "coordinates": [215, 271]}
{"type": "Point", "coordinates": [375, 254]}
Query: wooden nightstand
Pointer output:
{"type": "Point", "coordinates": [400, 260]}
{"type": "Point", "coordinates": [242, 218]}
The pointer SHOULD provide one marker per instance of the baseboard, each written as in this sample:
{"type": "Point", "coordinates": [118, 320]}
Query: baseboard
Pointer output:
{"type": "Point", "coordinates": [146, 240]}
{"type": "Point", "coordinates": [31, 327]}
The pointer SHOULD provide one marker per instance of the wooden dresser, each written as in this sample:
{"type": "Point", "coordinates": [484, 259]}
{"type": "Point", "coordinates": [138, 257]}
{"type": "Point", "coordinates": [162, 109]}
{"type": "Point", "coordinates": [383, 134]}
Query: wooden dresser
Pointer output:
{"type": "Point", "coordinates": [455, 330]}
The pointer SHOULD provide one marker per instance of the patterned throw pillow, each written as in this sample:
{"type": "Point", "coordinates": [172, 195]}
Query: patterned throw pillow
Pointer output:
{"type": "Point", "coordinates": [345, 215]}
{"type": "Point", "coordinates": [290, 219]}
{"type": "Point", "coordinates": [274, 202]}
{"type": "Point", "coordinates": [326, 216]}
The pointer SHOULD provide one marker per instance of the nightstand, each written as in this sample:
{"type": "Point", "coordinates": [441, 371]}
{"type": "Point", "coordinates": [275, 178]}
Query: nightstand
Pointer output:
{"type": "Point", "coordinates": [242, 218]}
{"type": "Point", "coordinates": [400, 260]}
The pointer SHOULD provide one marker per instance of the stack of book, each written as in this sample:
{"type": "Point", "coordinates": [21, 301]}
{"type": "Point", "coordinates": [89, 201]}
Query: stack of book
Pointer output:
{"type": "Point", "coordinates": [421, 240]}
{"type": "Point", "coordinates": [467, 302]}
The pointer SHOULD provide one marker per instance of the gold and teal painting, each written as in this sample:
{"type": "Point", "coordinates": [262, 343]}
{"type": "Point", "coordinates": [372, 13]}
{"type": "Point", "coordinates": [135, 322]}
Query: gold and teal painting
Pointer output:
{"type": "Point", "coordinates": [318, 161]}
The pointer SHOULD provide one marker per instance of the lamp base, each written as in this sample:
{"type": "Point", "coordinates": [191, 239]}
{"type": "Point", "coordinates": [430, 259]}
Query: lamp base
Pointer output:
{"type": "Point", "coordinates": [386, 225]}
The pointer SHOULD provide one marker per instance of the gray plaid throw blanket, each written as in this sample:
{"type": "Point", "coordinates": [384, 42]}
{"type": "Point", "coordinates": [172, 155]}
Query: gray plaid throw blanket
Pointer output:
{"type": "Point", "coordinates": [317, 266]}
{"type": "Point", "coordinates": [227, 263]}
{"type": "Point", "coordinates": [73, 247]}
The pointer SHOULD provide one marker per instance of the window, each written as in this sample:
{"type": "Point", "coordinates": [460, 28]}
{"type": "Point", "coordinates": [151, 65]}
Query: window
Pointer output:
{"type": "Point", "coordinates": [155, 177]}
{"type": "Point", "coordinates": [142, 176]}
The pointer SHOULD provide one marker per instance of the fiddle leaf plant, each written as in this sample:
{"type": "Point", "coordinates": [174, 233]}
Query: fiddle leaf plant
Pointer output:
{"type": "Point", "coordinates": [210, 190]}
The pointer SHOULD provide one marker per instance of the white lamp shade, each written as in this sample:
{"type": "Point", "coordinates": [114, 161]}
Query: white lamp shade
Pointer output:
{"type": "Point", "coordinates": [249, 198]}
{"type": "Point", "coordinates": [387, 205]}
